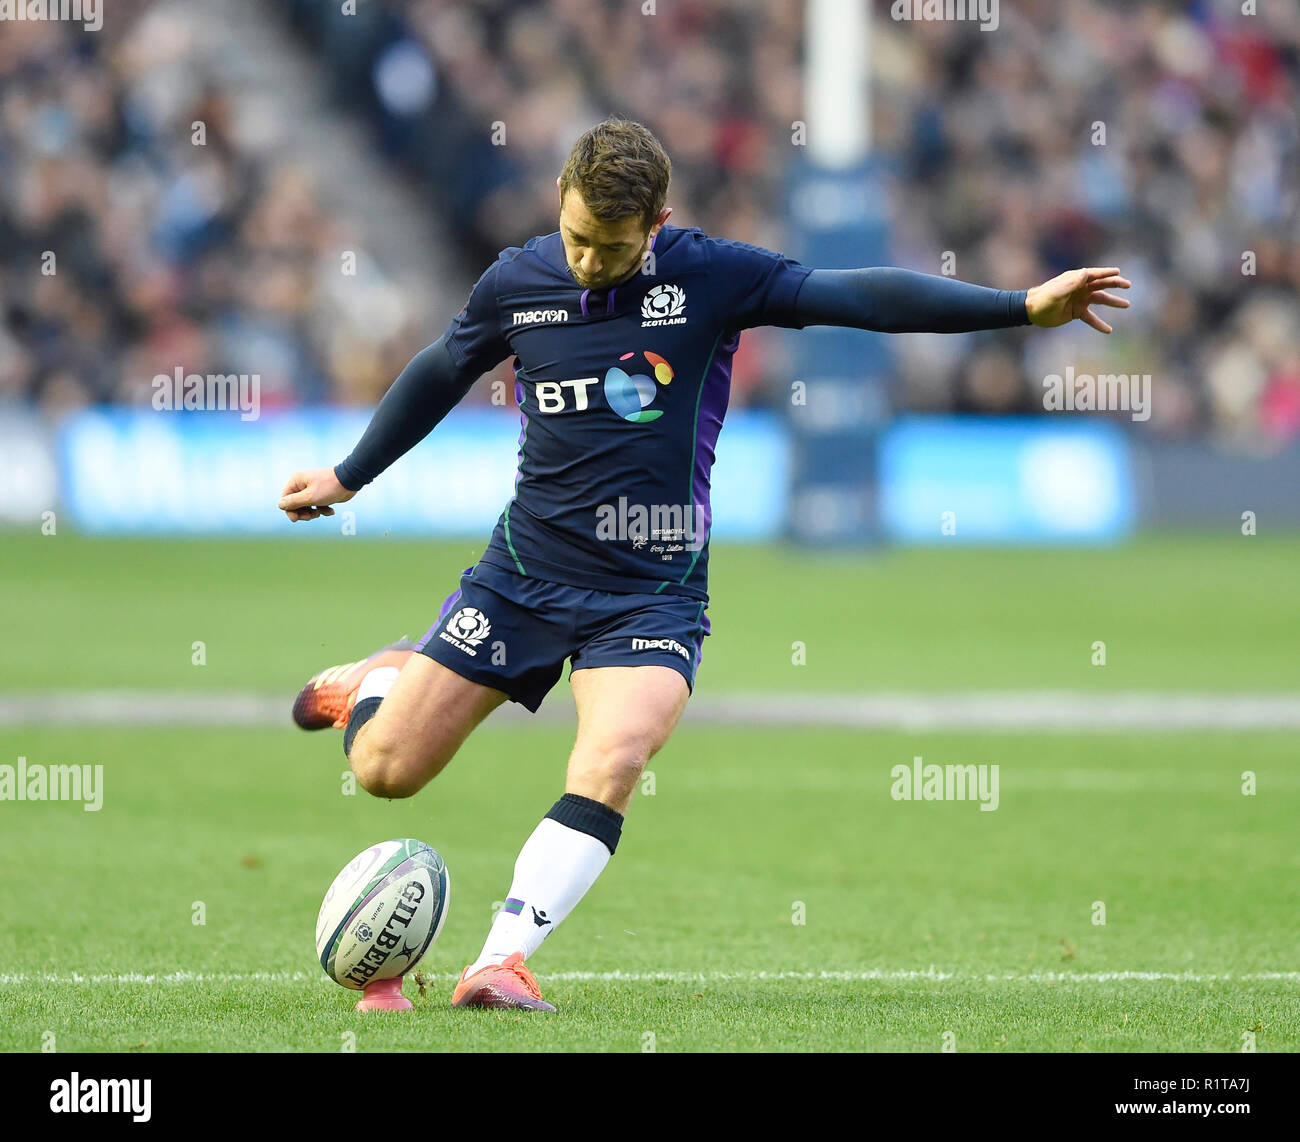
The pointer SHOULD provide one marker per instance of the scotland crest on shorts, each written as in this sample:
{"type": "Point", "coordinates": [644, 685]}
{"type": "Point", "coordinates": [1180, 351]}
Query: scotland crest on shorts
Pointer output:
{"type": "Point", "coordinates": [469, 625]}
{"type": "Point", "coordinates": [466, 629]}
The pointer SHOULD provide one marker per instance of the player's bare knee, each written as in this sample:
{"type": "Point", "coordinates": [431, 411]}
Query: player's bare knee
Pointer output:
{"type": "Point", "coordinates": [380, 770]}
{"type": "Point", "coordinates": [615, 767]}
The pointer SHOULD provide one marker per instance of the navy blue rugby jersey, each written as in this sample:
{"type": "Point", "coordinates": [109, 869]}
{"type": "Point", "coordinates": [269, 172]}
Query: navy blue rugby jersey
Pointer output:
{"type": "Point", "coordinates": [622, 394]}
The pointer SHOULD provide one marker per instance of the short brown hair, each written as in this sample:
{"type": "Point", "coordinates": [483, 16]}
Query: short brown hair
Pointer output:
{"type": "Point", "coordinates": [620, 170]}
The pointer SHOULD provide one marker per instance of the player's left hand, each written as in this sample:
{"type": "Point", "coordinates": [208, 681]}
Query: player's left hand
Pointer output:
{"type": "Point", "coordinates": [1069, 295]}
{"type": "Point", "coordinates": [308, 494]}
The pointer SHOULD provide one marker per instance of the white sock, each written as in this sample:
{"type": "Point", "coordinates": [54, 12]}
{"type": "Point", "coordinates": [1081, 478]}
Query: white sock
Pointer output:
{"type": "Point", "coordinates": [553, 871]}
{"type": "Point", "coordinates": [377, 683]}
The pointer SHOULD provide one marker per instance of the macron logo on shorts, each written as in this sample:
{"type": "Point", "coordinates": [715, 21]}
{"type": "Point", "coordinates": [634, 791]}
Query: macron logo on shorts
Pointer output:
{"type": "Point", "coordinates": [661, 644]}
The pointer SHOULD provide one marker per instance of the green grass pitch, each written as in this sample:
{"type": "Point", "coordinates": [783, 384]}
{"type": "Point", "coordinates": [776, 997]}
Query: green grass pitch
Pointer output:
{"type": "Point", "coordinates": [919, 920]}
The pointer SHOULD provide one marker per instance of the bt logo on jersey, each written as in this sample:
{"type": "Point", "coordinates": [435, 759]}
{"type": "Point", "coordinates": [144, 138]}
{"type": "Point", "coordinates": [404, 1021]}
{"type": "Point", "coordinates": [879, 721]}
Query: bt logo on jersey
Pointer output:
{"type": "Point", "coordinates": [551, 395]}
{"type": "Point", "coordinates": [628, 394]}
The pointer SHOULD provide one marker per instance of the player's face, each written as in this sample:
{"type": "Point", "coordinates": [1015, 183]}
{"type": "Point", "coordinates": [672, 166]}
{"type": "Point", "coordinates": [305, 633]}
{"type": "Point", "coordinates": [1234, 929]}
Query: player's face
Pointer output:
{"type": "Point", "coordinates": [602, 254]}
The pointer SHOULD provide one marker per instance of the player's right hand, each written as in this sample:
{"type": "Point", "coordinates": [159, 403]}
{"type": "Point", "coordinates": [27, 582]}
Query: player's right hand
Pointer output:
{"type": "Point", "coordinates": [309, 494]}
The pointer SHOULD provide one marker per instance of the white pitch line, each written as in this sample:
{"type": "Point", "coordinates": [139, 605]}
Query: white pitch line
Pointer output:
{"type": "Point", "coordinates": [1031, 710]}
{"type": "Point", "coordinates": [901, 975]}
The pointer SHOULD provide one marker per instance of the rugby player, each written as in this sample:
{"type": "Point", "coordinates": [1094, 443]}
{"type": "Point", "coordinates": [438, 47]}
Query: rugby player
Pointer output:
{"type": "Point", "coordinates": [622, 330]}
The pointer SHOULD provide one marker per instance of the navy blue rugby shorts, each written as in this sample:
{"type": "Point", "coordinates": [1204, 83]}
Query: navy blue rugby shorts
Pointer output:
{"type": "Point", "coordinates": [513, 632]}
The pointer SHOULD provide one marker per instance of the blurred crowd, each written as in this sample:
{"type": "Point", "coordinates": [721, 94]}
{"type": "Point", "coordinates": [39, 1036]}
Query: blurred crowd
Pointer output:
{"type": "Point", "coordinates": [1160, 138]}
{"type": "Point", "coordinates": [1163, 138]}
{"type": "Point", "coordinates": [132, 244]}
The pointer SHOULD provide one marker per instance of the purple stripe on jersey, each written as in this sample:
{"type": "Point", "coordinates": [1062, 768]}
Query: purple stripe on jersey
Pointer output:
{"type": "Point", "coordinates": [582, 301]}
{"type": "Point", "coordinates": [609, 302]}
{"type": "Point", "coordinates": [713, 407]}
{"type": "Point", "coordinates": [523, 426]}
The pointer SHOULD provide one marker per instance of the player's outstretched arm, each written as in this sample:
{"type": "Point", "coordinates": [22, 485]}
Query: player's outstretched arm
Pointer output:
{"type": "Point", "coordinates": [889, 300]}
{"type": "Point", "coordinates": [428, 388]}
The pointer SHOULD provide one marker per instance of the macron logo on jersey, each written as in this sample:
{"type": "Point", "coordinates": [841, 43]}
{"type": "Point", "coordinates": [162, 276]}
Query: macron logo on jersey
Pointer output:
{"type": "Point", "coordinates": [664, 305]}
{"type": "Point", "coordinates": [537, 316]}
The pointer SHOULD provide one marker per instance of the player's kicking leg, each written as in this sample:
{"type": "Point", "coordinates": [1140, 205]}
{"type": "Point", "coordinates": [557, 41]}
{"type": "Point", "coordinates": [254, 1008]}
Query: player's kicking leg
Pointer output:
{"type": "Point", "coordinates": [406, 716]}
{"type": "Point", "coordinates": [502, 635]}
{"type": "Point", "coordinates": [625, 715]}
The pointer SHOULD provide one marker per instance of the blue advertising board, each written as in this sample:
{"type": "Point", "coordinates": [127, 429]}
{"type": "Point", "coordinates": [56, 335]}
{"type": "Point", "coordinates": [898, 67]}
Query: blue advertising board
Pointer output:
{"type": "Point", "coordinates": [215, 474]}
{"type": "Point", "coordinates": [980, 480]}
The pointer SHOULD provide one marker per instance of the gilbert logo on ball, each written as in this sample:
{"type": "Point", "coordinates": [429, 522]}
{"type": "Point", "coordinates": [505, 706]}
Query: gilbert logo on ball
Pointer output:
{"type": "Point", "coordinates": [380, 916]}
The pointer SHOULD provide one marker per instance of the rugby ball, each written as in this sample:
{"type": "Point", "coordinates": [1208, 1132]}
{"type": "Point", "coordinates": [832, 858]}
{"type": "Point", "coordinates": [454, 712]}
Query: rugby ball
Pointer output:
{"type": "Point", "coordinates": [382, 913]}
